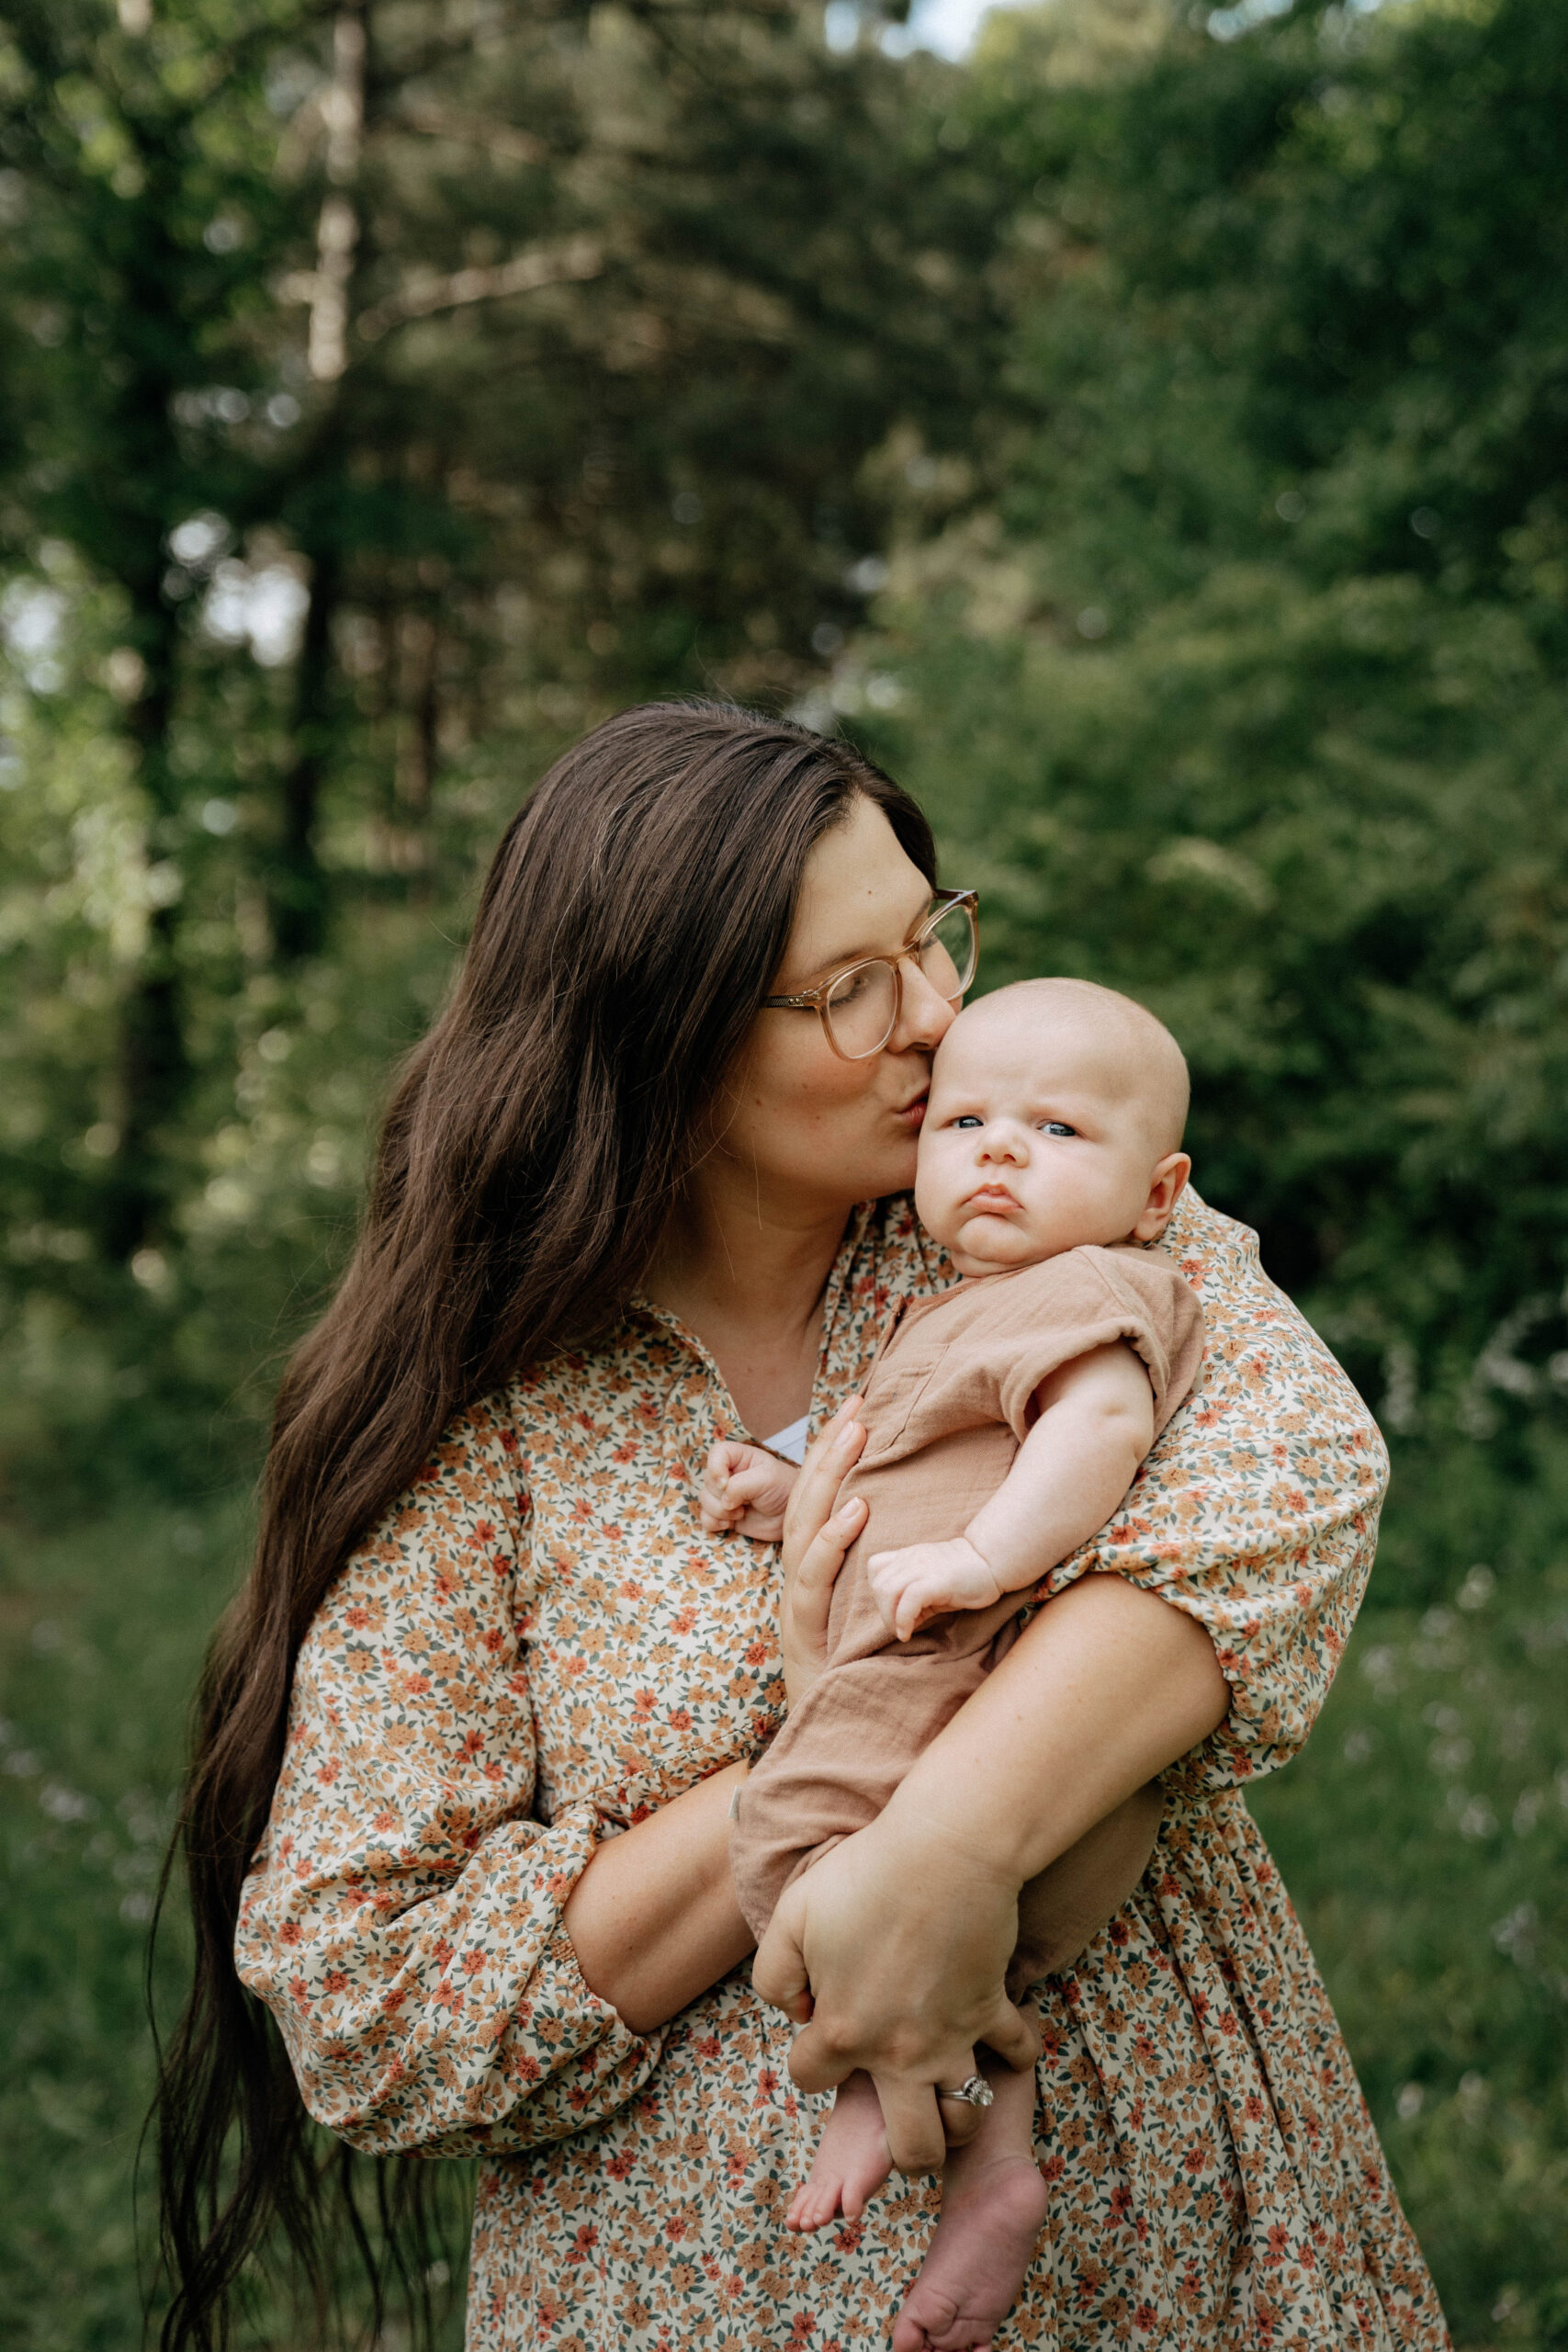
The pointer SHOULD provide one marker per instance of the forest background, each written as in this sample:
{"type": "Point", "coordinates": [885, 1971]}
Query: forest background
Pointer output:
{"type": "Point", "coordinates": [1150, 438]}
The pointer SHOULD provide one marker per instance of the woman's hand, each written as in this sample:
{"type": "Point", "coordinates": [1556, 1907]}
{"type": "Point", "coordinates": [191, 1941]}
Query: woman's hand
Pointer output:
{"type": "Point", "coordinates": [908, 1948]}
{"type": "Point", "coordinates": [817, 1531]}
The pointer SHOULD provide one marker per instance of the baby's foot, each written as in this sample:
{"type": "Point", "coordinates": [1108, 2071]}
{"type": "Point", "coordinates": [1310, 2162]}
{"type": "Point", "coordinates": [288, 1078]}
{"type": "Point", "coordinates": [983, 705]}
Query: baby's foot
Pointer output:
{"type": "Point", "coordinates": [851, 2160]}
{"type": "Point", "coordinates": [993, 2210]}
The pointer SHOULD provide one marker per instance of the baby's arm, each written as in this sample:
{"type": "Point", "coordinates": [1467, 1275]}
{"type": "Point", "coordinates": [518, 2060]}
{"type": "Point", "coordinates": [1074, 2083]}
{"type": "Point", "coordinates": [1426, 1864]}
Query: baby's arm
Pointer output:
{"type": "Point", "coordinates": [745, 1490]}
{"type": "Point", "coordinates": [1097, 1422]}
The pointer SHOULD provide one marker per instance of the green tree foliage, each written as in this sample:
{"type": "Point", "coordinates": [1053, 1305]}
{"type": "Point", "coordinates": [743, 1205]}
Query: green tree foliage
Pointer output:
{"type": "Point", "coordinates": [1244, 683]}
{"type": "Point", "coordinates": [510, 365]}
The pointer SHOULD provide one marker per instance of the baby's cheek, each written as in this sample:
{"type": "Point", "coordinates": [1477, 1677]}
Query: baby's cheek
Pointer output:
{"type": "Point", "coordinates": [935, 1198]}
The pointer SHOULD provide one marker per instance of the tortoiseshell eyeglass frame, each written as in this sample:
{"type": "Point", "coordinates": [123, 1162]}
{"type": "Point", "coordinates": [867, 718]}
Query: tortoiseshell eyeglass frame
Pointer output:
{"type": "Point", "coordinates": [815, 999]}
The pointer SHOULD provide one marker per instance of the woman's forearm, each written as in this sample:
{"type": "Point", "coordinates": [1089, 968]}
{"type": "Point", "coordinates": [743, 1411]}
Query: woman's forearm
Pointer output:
{"type": "Point", "coordinates": [1105, 1687]}
{"type": "Point", "coordinates": [653, 1918]}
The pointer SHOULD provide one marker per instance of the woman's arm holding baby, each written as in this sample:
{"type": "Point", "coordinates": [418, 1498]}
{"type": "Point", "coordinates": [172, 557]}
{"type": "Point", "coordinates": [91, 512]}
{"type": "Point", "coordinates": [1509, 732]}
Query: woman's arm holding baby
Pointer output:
{"type": "Point", "coordinates": [904, 1932]}
{"type": "Point", "coordinates": [1096, 1423]}
{"type": "Point", "coordinates": [653, 1918]}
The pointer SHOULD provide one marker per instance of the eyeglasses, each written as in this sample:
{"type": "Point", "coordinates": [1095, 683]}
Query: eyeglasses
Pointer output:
{"type": "Point", "coordinates": [859, 1007]}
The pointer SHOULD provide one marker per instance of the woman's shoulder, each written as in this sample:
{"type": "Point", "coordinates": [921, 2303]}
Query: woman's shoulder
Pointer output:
{"type": "Point", "coordinates": [1261, 1357]}
{"type": "Point", "coordinates": [474, 1472]}
{"type": "Point", "coordinates": [1212, 1250]}
{"type": "Point", "coordinates": [1218, 1257]}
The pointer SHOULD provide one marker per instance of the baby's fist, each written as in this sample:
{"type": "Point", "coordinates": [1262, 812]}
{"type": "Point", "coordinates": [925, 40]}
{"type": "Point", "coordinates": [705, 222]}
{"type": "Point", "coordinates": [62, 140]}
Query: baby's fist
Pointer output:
{"type": "Point", "coordinates": [745, 1490]}
{"type": "Point", "coordinates": [925, 1580]}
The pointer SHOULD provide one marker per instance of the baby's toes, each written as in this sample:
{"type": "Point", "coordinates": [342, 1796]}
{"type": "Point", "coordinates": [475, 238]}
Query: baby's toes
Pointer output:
{"type": "Point", "coordinates": [816, 2203]}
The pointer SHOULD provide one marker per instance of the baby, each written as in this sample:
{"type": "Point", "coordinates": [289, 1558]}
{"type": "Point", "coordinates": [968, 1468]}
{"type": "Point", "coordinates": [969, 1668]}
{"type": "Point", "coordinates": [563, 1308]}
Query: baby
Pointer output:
{"type": "Point", "coordinates": [1005, 1419]}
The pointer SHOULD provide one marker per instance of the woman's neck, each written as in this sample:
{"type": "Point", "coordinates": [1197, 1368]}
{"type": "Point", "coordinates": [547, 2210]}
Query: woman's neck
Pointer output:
{"type": "Point", "coordinates": [749, 1276]}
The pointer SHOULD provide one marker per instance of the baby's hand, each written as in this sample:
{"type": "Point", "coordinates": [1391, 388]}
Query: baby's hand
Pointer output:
{"type": "Point", "coordinates": [745, 1490]}
{"type": "Point", "coordinates": [927, 1581]}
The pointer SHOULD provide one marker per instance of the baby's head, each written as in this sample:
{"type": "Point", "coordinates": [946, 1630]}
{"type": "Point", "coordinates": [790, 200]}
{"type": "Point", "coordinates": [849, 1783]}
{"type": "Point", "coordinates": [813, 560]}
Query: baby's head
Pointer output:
{"type": "Point", "coordinates": [1056, 1118]}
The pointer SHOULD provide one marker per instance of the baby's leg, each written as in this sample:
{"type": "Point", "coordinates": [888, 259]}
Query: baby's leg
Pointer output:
{"type": "Point", "coordinates": [994, 2206]}
{"type": "Point", "coordinates": [851, 2160]}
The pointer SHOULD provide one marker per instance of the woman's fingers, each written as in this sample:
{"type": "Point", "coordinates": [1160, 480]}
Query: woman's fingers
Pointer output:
{"type": "Point", "coordinates": [809, 1598]}
{"type": "Point", "coordinates": [822, 1474]}
{"type": "Point", "coordinates": [1009, 2033]}
{"type": "Point", "coordinates": [817, 1531]}
{"type": "Point", "coordinates": [913, 2121]}
{"type": "Point", "coordinates": [779, 1973]}
{"type": "Point", "coordinates": [919, 2129]}
{"type": "Point", "coordinates": [818, 2060]}
{"type": "Point", "coordinates": [818, 1571]}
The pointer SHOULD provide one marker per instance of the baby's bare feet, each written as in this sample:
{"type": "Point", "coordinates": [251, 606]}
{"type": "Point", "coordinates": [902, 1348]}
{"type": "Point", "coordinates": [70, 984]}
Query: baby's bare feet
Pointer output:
{"type": "Point", "coordinates": [851, 2160]}
{"type": "Point", "coordinates": [994, 2206]}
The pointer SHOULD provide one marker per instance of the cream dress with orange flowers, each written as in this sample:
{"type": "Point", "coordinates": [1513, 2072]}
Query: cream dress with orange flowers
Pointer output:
{"type": "Point", "coordinates": [539, 1644]}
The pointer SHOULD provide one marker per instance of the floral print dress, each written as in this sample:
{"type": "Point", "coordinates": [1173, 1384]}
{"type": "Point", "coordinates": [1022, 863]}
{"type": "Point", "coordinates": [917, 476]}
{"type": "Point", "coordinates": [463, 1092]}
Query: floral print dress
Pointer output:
{"type": "Point", "coordinates": [539, 1643]}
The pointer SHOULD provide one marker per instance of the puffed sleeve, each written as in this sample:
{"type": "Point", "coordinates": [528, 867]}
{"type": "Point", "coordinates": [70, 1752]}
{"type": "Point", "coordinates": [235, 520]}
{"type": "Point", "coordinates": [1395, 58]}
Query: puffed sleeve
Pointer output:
{"type": "Point", "coordinates": [1256, 1510]}
{"type": "Point", "coordinates": [402, 1920]}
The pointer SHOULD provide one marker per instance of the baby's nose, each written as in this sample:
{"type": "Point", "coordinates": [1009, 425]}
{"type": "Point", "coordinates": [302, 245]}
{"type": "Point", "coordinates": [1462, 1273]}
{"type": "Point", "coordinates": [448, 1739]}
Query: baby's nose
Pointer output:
{"type": "Point", "coordinates": [997, 1144]}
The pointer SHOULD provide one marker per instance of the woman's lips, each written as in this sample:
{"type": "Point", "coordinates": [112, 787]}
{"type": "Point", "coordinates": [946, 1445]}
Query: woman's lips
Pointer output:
{"type": "Point", "coordinates": [913, 1113]}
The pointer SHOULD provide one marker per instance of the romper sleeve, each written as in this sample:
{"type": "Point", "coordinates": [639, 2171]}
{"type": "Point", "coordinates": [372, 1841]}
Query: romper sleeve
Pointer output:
{"type": "Point", "coordinates": [1256, 1509]}
{"type": "Point", "coordinates": [1085, 1299]}
{"type": "Point", "coordinates": [402, 1918]}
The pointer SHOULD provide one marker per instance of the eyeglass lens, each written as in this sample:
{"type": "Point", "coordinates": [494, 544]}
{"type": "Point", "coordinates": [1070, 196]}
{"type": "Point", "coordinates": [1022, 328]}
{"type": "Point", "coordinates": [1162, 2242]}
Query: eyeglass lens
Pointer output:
{"type": "Point", "coordinates": [865, 1004]}
{"type": "Point", "coordinates": [947, 953]}
{"type": "Point", "coordinates": [863, 1008]}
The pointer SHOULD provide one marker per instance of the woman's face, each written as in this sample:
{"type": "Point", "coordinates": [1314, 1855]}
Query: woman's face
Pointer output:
{"type": "Point", "coordinates": [812, 1132]}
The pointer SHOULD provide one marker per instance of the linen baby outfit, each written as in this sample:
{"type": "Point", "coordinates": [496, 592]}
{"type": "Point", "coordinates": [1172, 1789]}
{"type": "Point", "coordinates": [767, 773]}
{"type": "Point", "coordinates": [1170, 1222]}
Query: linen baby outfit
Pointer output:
{"type": "Point", "coordinates": [947, 1405]}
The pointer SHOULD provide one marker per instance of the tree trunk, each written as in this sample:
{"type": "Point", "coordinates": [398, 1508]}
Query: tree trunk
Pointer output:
{"type": "Point", "coordinates": [154, 1067]}
{"type": "Point", "coordinates": [299, 887]}
{"type": "Point", "coordinates": [299, 891]}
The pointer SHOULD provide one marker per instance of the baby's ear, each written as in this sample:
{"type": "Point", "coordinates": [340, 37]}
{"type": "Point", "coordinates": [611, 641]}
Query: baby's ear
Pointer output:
{"type": "Point", "coordinates": [1165, 1187]}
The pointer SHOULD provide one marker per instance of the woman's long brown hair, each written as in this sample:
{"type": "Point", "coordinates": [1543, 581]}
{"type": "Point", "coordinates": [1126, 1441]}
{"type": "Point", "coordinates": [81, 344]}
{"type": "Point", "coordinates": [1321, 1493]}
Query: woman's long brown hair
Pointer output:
{"type": "Point", "coordinates": [633, 918]}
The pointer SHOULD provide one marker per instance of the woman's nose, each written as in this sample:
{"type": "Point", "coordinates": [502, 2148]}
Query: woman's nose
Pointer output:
{"type": "Point", "coordinates": [924, 1017]}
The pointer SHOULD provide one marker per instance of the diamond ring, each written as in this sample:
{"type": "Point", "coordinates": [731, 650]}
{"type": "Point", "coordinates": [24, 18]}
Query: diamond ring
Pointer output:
{"type": "Point", "coordinates": [976, 2092]}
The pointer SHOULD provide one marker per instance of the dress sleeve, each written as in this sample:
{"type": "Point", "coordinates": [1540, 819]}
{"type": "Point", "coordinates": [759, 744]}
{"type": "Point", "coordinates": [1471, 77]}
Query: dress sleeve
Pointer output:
{"type": "Point", "coordinates": [1256, 1510]}
{"type": "Point", "coordinates": [402, 1918]}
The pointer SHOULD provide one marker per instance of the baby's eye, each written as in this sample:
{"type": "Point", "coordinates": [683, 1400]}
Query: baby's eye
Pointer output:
{"type": "Point", "coordinates": [1056, 1127]}
{"type": "Point", "coordinates": [967, 1119]}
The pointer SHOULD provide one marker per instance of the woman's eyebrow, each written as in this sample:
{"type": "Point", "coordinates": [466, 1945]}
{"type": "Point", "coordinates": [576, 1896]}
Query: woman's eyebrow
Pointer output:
{"type": "Point", "coordinates": [862, 953]}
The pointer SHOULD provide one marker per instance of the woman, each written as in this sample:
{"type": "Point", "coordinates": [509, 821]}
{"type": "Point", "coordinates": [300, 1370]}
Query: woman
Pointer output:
{"type": "Point", "coordinates": [471, 1739]}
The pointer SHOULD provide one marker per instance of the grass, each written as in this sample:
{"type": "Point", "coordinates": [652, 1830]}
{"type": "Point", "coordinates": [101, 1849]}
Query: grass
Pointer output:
{"type": "Point", "coordinates": [1423, 1833]}
{"type": "Point", "coordinates": [102, 1628]}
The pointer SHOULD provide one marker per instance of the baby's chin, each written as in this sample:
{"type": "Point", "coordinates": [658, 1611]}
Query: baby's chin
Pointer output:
{"type": "Point", "coordinates": [991, 1245]}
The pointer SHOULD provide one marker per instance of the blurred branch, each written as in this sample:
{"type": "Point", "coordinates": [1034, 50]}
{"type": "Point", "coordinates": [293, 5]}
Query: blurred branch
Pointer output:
{"type": "Point", "coordinates": [495, 138]}
{"type": "Point", "coordinates": [578, 259]}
